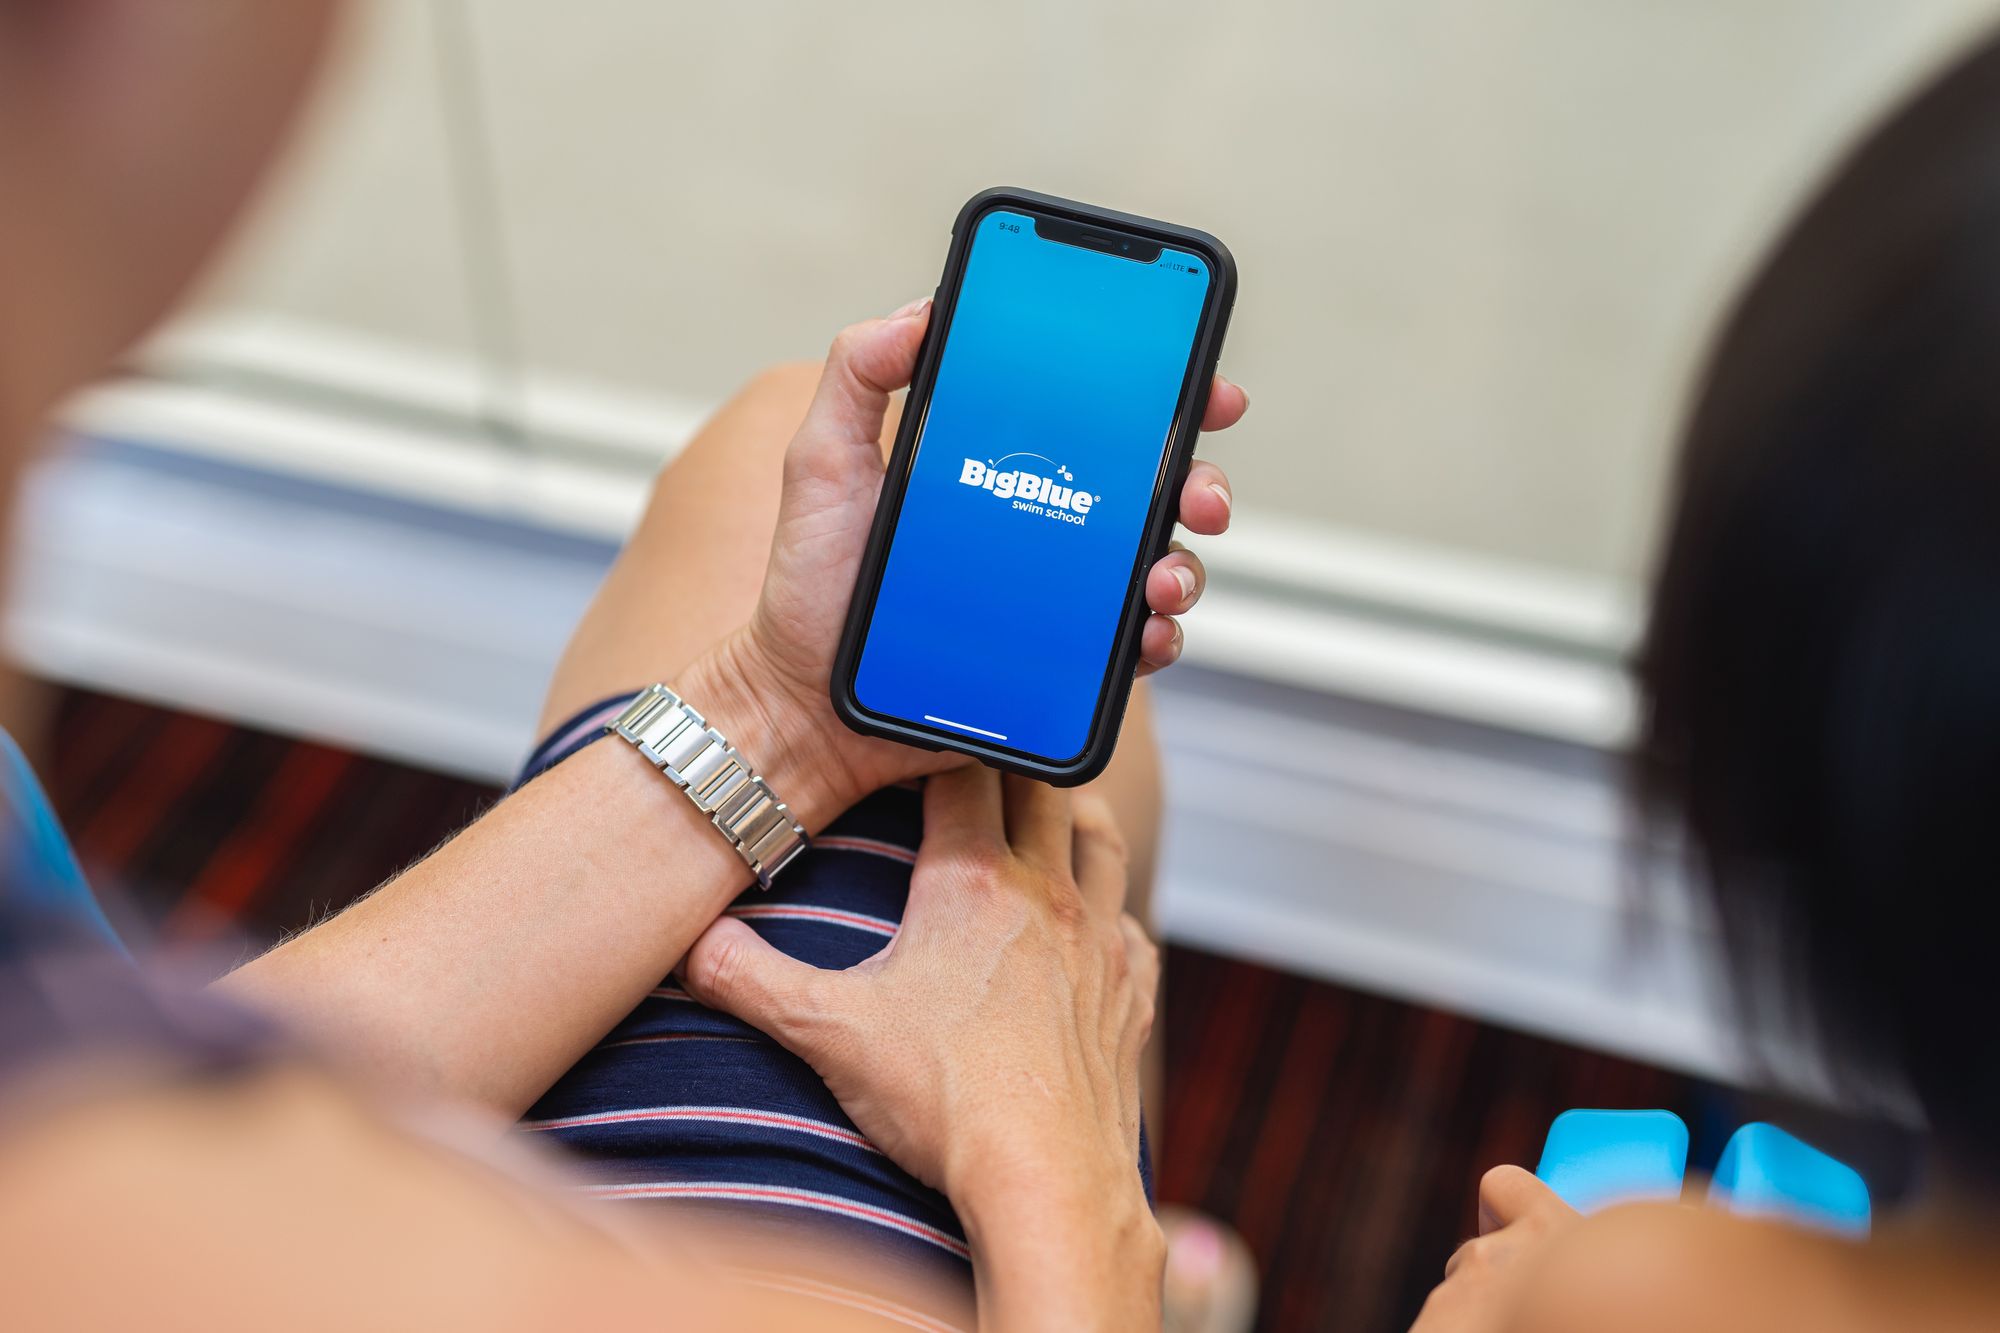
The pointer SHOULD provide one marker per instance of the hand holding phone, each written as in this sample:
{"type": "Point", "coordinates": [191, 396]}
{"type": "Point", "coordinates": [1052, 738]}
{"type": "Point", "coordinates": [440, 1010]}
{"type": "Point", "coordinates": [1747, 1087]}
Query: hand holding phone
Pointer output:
{"type": "Point", "coordinates": [767, 685]}
{"type": "Point", "coordinates": [1002, 605]}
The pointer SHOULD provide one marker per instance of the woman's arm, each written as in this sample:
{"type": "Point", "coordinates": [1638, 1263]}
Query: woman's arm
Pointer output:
{"type": "Point", "coordinates": [490, 968]}
{"type": "Point", "coordinates": [486, 970]}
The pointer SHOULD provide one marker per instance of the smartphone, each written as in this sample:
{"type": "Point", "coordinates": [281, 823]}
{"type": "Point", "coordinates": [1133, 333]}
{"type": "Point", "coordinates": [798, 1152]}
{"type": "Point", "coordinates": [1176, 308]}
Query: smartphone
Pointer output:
{"type": "Point", "coordinates": [1035, 480]}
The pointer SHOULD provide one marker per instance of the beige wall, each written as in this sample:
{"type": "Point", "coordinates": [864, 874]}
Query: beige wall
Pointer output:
{"type": "Point", "coordinates": [1479, 239]}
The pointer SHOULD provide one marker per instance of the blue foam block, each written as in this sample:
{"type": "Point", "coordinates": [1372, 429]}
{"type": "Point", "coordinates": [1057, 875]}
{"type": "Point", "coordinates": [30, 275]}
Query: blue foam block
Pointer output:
{"type": "Point", "coordinates": [1594, 1159]}
{"type": "Point", "coordinates": [1766, 1172]}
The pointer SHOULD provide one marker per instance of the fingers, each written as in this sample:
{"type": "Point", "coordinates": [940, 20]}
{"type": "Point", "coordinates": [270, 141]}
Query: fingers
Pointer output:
{"type": "Point", "coordinates": [1206, 500]}
{"type": "Point", "coordinates": [1144, 955]}
{"type": "Point", "coordinates": [1514, 1208]}
{"type": "Point", "coordinates": [1142, 970]}
{"type": "Point", "coordinates": [962, 809]}
{"type": "Point", "coordinates": [1160, 644]}
{"type": "Point", "coordinates": [1509, 1194]}
{"type": "Point", "coordinates": [1226, 405]}
{"type": "Point", "coordinates": [1175, 584]}
{"type": "Point", "coordinates": [733, 969]}
{"type": "Point", "coordinates": [1099, 856]}
{"type": "Point", "coordinates": [868, 362]}
{"type": "Point", "coordinates": [1038, 823]}
{"type": "Point", "coordinates": [1469, 1252]}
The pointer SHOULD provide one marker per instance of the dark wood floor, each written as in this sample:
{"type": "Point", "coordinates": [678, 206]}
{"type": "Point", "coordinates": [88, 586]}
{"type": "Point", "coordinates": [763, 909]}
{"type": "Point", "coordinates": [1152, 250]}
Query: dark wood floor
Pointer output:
{"type": "Point", "coordinates": [1342, 1133]}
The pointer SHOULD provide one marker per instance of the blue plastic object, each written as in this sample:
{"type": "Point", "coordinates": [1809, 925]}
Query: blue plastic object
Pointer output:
{"type": "Point", "coordinates": [39, 865]}
{"type": "Point", "coordinates": [1766, 1172]}
{"type": "Point", "coordinates": [1594, 1159]}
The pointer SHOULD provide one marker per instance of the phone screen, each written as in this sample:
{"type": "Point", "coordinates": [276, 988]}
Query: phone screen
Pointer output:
{"type": "Point", "coordinates": [1035, 466]}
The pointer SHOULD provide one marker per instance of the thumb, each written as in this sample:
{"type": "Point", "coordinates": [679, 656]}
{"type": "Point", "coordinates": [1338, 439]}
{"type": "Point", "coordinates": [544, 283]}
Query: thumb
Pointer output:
{"type": "Point", "coordinates": [868, 362]}
{"type": "Point", "coordinates": [1509, 1194]}
{"type": "Point", "coordinates": [732, 968]}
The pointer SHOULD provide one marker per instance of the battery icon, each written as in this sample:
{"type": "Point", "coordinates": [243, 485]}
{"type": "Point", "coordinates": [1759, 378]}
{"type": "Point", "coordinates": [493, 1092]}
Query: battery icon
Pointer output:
{"type": "Point", "coordinates": [1195, 271]}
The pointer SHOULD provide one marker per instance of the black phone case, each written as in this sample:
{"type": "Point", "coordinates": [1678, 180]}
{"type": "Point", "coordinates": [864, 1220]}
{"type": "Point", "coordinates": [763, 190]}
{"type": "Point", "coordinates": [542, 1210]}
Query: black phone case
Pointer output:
{"type": "Point", "coordinates": [1160, 518]}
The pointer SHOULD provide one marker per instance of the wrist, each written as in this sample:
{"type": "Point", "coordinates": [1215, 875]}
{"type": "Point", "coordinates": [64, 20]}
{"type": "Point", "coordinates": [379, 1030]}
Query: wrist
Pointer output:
{"type": "Point", "coordinates": [1117, 1212]}
{"type": "Point", "coordinates": [1088, 1253]}
{"type": "Point", "coordinates": [1003, 1147]}
{"type": "Point", "coordinates": [786, 745]}
{"type": "Point", "coordinates": [989, 1181]}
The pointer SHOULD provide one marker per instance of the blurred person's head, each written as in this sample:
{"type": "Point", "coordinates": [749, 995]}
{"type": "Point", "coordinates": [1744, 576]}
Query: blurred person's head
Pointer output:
{"type": "Point", "coordinates": [1822, 671]}
{"type": "Point", "coordinates": [131, 133]}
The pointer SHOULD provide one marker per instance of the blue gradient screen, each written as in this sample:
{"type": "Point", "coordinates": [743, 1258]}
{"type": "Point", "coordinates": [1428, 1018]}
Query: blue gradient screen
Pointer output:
{"type": "Point", "coordinates": [1034, 469]}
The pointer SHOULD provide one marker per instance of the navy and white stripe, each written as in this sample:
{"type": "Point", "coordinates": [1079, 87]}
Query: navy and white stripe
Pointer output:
{"type": "Point", "coordinates": [681, 1102]}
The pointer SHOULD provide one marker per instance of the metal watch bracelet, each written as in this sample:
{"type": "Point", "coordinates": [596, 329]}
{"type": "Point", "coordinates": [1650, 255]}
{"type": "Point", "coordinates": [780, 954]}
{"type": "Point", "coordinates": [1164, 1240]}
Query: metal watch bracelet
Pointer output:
{"type": "Point", "coordinates": [678, 741]}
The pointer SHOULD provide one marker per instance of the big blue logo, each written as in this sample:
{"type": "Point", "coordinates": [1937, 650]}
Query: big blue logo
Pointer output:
{"type": "Point", "coordinates": [1032, 491]}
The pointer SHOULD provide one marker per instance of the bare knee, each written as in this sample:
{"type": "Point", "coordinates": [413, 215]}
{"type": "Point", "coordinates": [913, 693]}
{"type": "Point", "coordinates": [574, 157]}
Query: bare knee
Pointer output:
{"type": "Point", "coordinates": [779, 395]}
{"type": "Point", "coordinates": [743, 443]}
{"type": "Point", "coordinates": [784, 390]}
{"type": "Point", "coordinates": [1130, 785]}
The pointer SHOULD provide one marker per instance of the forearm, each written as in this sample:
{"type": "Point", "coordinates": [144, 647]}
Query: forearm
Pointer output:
{"type": "Point", "coordinates": [484, 972]}
{"type": "Point", "coordinates": [1077, 1254]}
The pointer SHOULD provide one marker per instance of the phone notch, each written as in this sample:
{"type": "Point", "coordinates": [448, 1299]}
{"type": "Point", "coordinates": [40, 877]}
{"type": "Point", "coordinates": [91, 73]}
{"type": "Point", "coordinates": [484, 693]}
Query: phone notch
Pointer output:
{"type": "Point", "coordinates": [1117, 244]}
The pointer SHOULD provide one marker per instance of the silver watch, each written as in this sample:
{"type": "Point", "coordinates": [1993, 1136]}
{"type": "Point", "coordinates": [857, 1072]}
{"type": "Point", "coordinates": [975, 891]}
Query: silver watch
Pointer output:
{"type": "Point", "coordinates": [679, 742]}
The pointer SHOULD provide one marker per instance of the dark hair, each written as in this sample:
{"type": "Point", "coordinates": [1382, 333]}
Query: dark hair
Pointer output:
{"type": "Point", "coordinates": [1821, 674]}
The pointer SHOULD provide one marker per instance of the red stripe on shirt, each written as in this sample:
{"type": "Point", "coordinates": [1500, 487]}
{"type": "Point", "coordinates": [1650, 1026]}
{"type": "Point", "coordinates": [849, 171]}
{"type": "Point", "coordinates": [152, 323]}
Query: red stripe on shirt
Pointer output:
{"type": "Point", "coordinates": [672, 1036]}
{"type": "Point", "coordinates": [734, 1115]}
{"type": "Point", "coordinates": [595, 722]}
{"type": "Point", "coordinates": [870, 846]}
{"type": "Point", "coordinates": [874, 925]}
{"type": "Point", "coordinates": [793, 1198]}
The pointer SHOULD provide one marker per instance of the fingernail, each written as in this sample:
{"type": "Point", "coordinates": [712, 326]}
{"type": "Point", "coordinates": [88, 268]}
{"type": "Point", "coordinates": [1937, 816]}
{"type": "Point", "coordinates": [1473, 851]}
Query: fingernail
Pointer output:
{"type": "Point", "coordinates": [1245, 392]}
{"type": "Point", "coordinates": [1196, 1252]}
{"type": "Point", "coordinates": [1185, 577]}
{"type": "Point", "coordinates": [913, 309]}
{"type": "Point", "coordinates": [1222, 494]}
